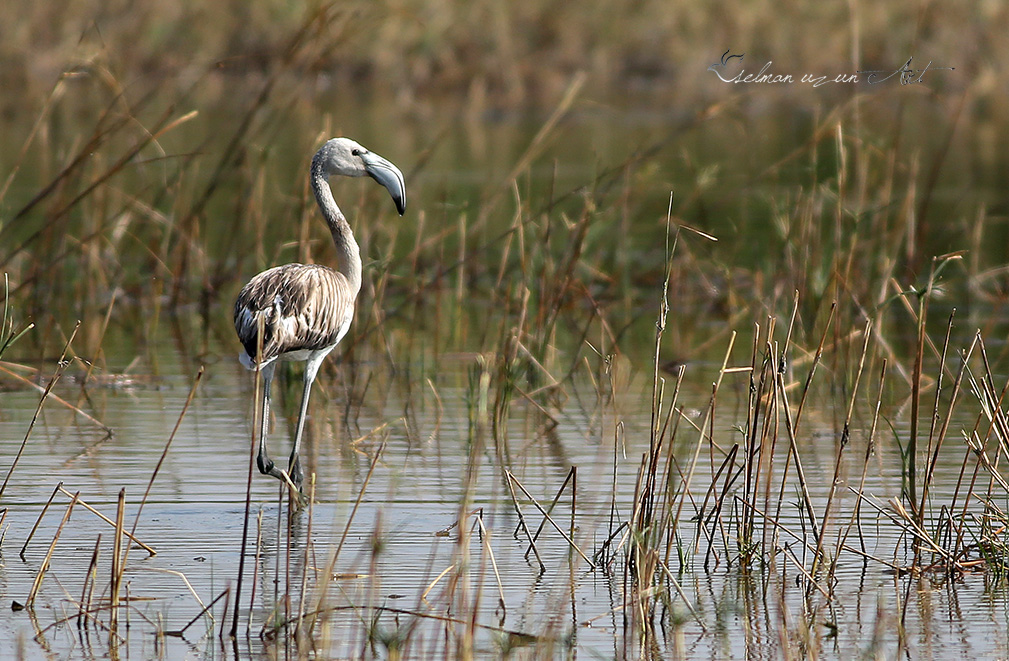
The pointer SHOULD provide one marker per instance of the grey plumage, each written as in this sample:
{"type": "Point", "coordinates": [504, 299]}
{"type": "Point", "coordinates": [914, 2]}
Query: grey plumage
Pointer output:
{"type": "Point", "coordinates": [306, 309]}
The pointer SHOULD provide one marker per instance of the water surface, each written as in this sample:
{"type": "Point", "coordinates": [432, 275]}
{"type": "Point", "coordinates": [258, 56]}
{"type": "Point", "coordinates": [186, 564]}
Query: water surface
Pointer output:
{"type": "Point", "coordinates": [397, 544]}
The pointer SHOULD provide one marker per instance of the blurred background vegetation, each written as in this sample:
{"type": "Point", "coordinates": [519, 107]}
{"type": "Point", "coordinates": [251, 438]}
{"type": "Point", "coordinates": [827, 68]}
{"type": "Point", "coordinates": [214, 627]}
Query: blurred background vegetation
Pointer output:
{"type": "Point", "coordinates": [156, 152]}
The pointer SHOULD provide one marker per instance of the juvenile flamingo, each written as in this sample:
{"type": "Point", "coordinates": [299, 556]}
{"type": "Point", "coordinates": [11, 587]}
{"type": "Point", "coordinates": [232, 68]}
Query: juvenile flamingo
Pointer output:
{"type": "Point", "coordinates": [306, 309]}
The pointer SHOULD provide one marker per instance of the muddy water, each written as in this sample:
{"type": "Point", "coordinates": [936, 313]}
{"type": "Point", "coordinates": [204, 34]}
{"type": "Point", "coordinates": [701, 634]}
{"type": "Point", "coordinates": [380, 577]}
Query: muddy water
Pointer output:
{"type": "Point", "coordinates": [401, 538]}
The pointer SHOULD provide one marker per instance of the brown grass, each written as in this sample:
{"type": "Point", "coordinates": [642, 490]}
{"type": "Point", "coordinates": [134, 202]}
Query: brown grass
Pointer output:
{"type": "Point", "coordinates": [156, 159]}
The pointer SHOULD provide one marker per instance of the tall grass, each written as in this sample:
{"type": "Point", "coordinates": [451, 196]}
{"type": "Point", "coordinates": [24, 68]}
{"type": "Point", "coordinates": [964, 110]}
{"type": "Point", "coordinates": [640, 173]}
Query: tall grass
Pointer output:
{"type": "Point", "coordinates": [159, 159]}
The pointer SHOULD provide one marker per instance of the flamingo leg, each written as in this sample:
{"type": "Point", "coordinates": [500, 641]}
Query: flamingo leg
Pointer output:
{"type": "Point", "coordinates": [311, 369]}
{"type": "Point", "coordinates": [266, 465]}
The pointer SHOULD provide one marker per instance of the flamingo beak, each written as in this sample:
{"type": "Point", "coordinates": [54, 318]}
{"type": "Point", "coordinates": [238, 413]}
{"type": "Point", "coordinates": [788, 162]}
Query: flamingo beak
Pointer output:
{"type": "Point", "coordinates": [389, 176]}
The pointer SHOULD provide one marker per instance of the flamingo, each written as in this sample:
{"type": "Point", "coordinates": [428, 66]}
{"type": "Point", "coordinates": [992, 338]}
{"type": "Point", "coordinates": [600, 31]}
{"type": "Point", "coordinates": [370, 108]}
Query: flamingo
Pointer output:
{"type": "Point", "coordinates": [306, 309]}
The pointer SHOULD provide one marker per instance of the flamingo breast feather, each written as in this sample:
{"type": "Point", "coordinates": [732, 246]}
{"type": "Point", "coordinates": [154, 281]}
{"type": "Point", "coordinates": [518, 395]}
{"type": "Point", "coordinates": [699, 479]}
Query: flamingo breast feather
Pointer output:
{"type": "Point", "coordinates": [304, 309]}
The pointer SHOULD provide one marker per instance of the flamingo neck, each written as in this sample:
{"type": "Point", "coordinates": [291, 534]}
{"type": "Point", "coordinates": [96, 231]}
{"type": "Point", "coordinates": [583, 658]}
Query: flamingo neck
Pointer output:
{"type": "Point", "coordinates": [348, 253]}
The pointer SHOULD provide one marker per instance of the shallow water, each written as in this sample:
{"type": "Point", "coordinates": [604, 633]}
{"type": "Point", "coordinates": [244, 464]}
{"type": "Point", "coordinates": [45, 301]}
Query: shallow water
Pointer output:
{"type": "Point", "coordinates": [397, 545]}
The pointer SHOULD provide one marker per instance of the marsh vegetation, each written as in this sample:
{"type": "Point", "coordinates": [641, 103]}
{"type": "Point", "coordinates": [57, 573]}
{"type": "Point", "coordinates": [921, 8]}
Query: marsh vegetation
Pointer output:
{"type": "Point", "coordinates": [655, 366]}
